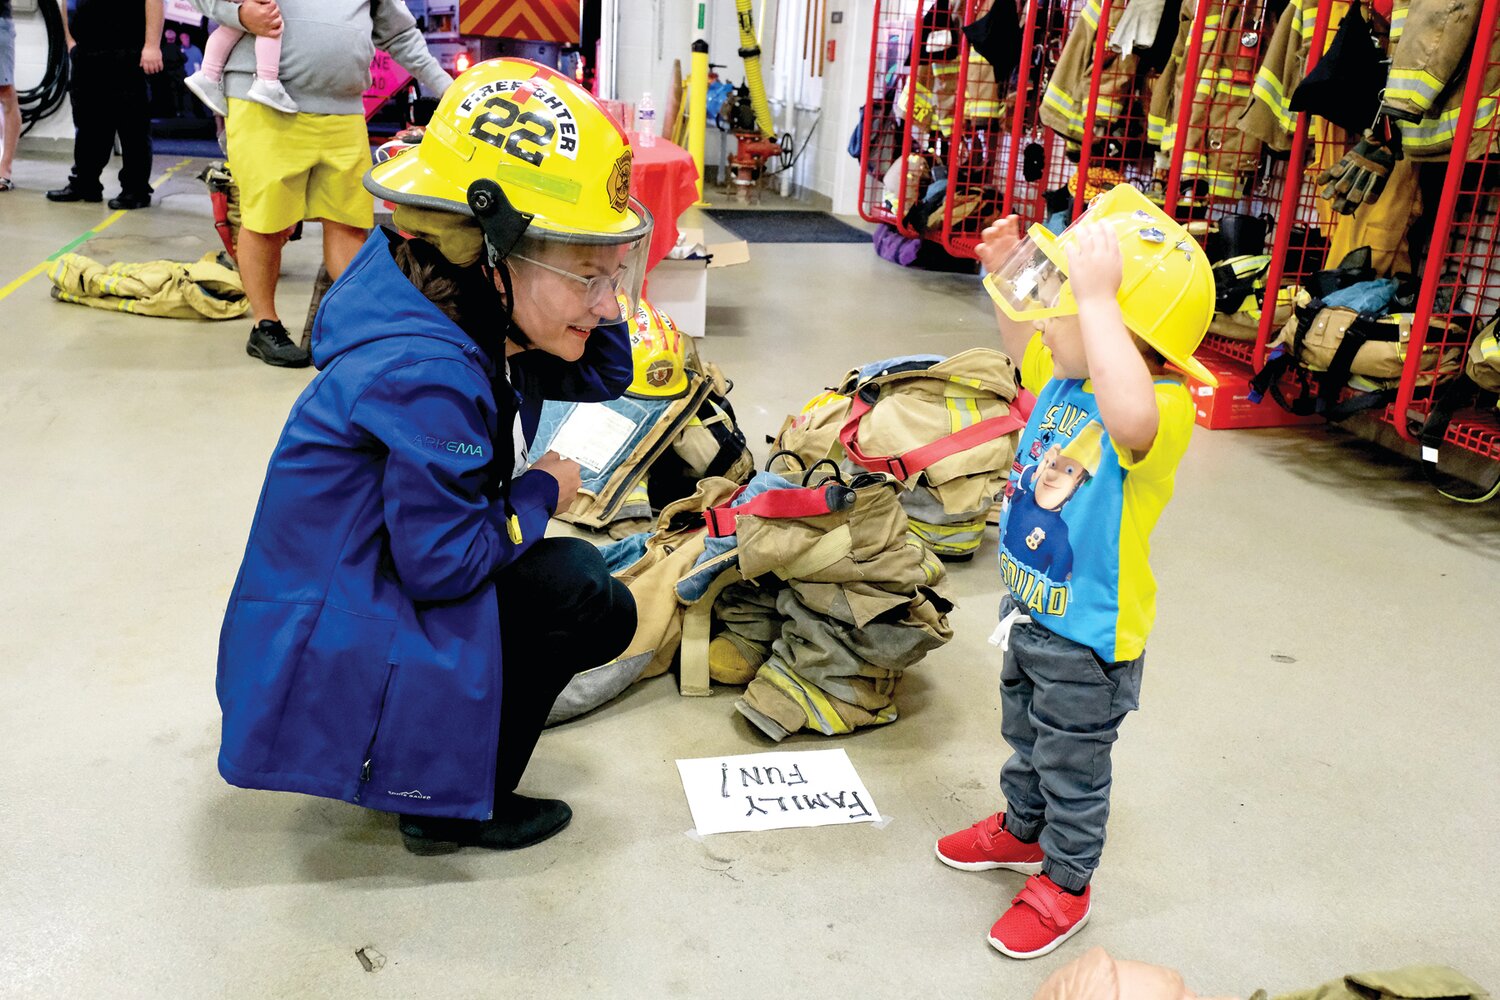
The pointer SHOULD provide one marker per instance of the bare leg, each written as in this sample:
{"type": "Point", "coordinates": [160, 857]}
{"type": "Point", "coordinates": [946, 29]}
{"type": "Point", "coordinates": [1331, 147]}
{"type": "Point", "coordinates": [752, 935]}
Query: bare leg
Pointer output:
{"type": "Point", "coordinates": [340, 244]}
{"type": "Point", "coordinates": [10, 111]}
{"type": "Point", "coordinates": [259, 256]}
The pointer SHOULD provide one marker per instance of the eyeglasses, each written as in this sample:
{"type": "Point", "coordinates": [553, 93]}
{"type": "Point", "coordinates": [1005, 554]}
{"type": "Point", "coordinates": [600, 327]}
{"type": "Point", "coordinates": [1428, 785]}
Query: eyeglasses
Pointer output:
{"type": "Point", "coordinates": [600, 288]}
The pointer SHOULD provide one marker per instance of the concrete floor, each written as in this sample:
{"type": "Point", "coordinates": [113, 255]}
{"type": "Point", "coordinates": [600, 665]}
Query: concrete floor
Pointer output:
{"type": "Point", "coordinates": [1309, 787]}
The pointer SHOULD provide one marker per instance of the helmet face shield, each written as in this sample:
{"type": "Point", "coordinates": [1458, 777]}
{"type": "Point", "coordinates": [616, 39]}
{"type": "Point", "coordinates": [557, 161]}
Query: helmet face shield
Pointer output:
{"type": "Point", "coordinates": [592, 277]}
{"type": "Point", "coordinates": [1032, 283]}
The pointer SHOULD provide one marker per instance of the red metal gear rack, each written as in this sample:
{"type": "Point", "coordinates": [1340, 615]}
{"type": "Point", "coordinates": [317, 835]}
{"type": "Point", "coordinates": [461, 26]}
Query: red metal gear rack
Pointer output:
{"type": "Point", "coordinates": [1217, 80]}
{"type": "Point", "coordinates": [886, 135]}
{"type": "Point", "coordinates": [1463, 267]}
{"type": "Point", "coordinates": [985, 179]}
{"type": "Point", "coordinates": [1131, 124]}
{"type": "Point", "coordinates": [1298, 212]}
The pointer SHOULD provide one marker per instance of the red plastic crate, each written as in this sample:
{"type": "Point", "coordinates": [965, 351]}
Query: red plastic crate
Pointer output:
{"type": "Point", "coordinates": [1227, 406]}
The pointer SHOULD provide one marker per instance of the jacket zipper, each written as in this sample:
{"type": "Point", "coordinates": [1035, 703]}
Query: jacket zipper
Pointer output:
{"type": "Point", "coordinates": [364, 770]}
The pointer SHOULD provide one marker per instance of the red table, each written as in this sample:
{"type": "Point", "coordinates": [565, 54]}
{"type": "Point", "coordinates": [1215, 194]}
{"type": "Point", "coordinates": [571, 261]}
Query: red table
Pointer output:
{"type": "Point", "coordinates": [664, 179]}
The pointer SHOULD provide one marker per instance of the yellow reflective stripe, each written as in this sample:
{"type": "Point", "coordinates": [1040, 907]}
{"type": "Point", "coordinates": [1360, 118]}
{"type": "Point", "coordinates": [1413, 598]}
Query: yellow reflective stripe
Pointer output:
{"type": "Point", "coordinates": [1090, 14]}
{"type": "Point", "coordinates": [929, 530]}
{"type": "Point", "coordinates": [1268, 91]}
{"type": "Point", "coordinates": [1430, 132]}
{"type": "Point", "coordinates": [1059, 99]}
{"type": "Point", "coordinates": [1417, 86]}
{"type": "Point", "coordinates": [1398, 23]}
{"type": "Point", "coordinates": [984, 108]}
{"type": "Point", "coordinates": [1154, 127]}
{"type": "Point", "coordinates": [814, 704]}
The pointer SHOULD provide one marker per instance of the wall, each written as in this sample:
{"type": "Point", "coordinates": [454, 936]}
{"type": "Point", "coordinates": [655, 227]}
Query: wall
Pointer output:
{"type": "Point", "coordinates": [651, 33]}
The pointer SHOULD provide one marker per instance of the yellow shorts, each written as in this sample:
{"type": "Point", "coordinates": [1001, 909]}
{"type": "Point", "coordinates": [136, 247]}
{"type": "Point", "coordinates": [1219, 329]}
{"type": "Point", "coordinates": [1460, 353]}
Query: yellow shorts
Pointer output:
{"type": "Point", "coordinates": [295, 167]}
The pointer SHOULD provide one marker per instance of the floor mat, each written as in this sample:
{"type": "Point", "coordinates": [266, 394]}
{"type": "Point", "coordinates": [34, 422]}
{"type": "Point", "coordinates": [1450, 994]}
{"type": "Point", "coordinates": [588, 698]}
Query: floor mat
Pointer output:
{"type": "Point", "coordinates": [786, 226]}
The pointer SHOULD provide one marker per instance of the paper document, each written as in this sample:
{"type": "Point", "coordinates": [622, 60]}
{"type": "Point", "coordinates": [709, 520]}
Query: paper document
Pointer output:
{"type": "Point", "coordinates": [593, 436]}
{"type": "Point", "coordinates": [774, 791]}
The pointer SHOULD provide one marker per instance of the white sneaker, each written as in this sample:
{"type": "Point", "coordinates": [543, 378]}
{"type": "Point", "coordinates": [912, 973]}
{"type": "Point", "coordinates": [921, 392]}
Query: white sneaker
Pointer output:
{"type": "Point", "coordinates": [210, 92]}
{"type": "Point", "coordinates": [273, 95]}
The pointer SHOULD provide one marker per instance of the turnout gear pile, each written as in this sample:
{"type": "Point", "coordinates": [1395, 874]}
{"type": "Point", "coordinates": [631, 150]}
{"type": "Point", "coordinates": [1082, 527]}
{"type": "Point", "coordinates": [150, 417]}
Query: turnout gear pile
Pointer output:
{"type": "Point", "coordinates": [675, 440]}
{"type": "Point", "coordinates": [204, 289]}
{"type": "Point", "coordinates": [822, 584]}
{"type": "Point", "coordinates": [1478, 386]}
{"type": "Point", "coordinates": [945, 428]}
{"type": "Point", "coordinates": [1348, 325]}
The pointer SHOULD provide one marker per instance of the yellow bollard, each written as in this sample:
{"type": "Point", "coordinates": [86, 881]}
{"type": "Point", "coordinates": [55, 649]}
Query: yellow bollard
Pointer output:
{"type": "Point", "coordinates": [698, 103]}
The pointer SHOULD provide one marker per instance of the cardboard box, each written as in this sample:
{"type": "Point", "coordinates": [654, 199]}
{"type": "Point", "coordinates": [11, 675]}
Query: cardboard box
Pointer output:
{"type": "Point", "coordinates": [679, 288]}
{"type": "Point", "coordinates": [1228, 406]}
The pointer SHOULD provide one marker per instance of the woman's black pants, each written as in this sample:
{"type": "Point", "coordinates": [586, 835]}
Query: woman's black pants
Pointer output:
{"type": "Point", "coordinates": [560, 613]}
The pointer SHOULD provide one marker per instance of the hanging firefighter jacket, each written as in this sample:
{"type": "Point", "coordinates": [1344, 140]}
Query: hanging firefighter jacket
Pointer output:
{"type": "Point", "coordinates": [1217, 152]}
{"type": "Point", "coordinates": [1431, 43]}
{"type": "Point", "coordinates": [1269, 116]}
{"type": "Point", "coordinates": [1065, 101]}
{"type": "Point", "coordinates": [946, 428]}
{"type": "Point", "coordinates": [843, 579]}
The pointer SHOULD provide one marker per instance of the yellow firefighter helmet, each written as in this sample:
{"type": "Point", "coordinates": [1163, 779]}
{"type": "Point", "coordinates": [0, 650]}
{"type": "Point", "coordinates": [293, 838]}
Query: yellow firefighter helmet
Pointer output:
{"type": "Point", "coordinates": [659, 352]}
{"type": "Point", "coordinates": [1167, 292]}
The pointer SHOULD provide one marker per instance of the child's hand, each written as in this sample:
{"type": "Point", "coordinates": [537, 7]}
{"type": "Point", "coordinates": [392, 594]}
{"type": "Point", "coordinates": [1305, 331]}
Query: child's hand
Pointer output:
{"type": "Point", "coordinates": [999, 239]}
{"type": "Point", "coordinates": [1095, 265]}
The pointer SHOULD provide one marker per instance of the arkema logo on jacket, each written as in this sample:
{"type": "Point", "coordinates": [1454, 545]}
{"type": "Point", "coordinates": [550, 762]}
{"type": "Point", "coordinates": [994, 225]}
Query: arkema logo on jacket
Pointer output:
{"type": "Point", "coordinates": [456, 447]}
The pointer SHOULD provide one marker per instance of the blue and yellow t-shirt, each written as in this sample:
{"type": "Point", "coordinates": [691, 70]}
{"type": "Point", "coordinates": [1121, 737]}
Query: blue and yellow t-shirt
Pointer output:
{"type": "Point", "coordinates": [1075, 530]}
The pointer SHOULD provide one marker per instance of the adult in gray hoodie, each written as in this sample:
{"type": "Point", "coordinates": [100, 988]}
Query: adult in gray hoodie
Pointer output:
{"type": "Point", "coordinates": [308, 165]}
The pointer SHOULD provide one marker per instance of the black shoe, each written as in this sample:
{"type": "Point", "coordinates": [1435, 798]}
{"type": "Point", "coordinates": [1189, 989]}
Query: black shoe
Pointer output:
{"type": "Point", "coordinates": [69, 193]}
{"type": "Point", "coordinates": [129, 201]}
{"type": "Point", "coordinates": [269, 342]}
{"type": "Point", "coordinates": [519, 822]}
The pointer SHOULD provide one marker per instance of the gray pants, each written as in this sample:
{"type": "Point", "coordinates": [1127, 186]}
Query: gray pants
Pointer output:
{"type": "Point", "coordinates": [1061, 711]}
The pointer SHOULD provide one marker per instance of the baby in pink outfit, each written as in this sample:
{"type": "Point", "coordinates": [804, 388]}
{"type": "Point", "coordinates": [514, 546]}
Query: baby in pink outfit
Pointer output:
{"type": "Point", "coordinates": [208, 82]}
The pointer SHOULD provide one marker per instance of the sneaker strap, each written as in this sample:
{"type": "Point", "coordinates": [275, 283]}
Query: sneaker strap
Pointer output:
{"type": "Point", "coordinates": [1045, 900]}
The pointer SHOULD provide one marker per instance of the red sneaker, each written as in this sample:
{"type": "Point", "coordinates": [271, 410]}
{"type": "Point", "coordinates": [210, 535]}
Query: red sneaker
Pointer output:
{"type": "Point", "coordinates": [1040, 918]}
{"type": "Point", "coordinates": [987, 844]}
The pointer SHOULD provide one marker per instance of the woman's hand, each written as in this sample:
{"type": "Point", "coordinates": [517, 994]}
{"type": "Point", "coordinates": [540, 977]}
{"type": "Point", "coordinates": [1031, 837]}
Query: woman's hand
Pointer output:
{"type": "Point", "coordinates": [997, 241]}
{"type": "Point", "coordinates": [567, 473]}
{"type": "Point", "coordinates": [1095, 267]}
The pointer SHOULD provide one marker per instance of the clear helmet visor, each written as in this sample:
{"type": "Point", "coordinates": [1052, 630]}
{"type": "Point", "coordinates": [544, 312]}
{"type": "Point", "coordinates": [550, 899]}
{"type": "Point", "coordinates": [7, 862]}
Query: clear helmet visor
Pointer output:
{"type": "Point", "coordinates": [602, 281]}
{"type": "Point", "coordinates": [1032, 282]}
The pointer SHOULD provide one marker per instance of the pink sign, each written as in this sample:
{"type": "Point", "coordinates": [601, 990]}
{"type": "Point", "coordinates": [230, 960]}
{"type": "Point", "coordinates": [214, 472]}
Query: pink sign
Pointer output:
{"type": "Point", "coordinates": [386, 78]}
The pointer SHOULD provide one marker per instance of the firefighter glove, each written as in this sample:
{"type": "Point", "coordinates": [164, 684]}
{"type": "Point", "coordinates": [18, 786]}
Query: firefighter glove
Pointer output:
{"type": "Point", "coordinates": [1360, 176]}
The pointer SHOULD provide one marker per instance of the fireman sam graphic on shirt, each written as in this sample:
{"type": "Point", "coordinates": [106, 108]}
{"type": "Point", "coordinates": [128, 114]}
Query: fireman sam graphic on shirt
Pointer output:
{"type": "Point", "coordinates": [1036, 535]}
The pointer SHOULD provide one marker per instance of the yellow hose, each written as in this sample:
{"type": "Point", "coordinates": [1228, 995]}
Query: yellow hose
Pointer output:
{"type": "Point", "coordinates": [750, 52]}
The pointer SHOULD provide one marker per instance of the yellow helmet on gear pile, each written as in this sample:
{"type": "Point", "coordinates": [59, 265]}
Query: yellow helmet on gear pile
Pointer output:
{"type": "Point", "coordinates": [1166, 293]}
{"type": "Point", "coordinates": [526, 151]}
{"type": "Point", "coordinates": [659, 352]}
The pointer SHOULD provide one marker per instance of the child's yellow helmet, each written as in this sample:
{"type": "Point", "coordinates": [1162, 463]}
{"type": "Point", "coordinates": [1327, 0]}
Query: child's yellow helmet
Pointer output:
{"type": "Point", "coordinates": [1167, 292]}
{"type": "Point", "coordinates": [659, 353]}
{"type": "Point", "coordinates": [525, 150]}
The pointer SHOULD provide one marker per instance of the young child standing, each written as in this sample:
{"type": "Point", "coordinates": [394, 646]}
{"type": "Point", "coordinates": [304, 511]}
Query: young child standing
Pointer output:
{"type": "Point", "coordinates": [208, 83]}
{"type": "Point", "coordinates": [1117, 297]}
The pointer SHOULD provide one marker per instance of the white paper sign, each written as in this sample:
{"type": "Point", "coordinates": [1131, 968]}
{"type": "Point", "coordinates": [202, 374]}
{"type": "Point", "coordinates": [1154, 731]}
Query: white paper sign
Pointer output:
{"type": "Point", "coordinates": [592, 435]}
{"type": "Point", "coordinates": [775, 791]}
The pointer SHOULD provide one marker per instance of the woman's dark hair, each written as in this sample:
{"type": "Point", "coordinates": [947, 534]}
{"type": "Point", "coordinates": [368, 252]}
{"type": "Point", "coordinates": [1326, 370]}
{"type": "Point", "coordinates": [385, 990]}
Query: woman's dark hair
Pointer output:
{"type": "Point", "coordinates": [465, 294]}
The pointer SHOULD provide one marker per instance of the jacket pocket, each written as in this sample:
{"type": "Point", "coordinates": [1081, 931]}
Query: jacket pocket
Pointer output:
{"type": "Point", "coordinates": [367, 766]}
